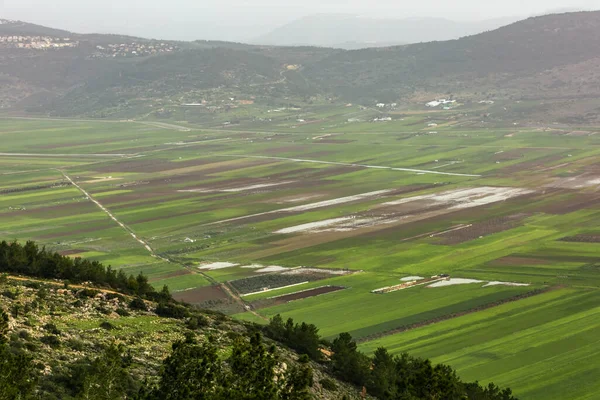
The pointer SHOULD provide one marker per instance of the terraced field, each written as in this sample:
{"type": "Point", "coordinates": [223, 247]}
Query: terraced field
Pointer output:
{"type": "Point", "coordinates": [227, 216]}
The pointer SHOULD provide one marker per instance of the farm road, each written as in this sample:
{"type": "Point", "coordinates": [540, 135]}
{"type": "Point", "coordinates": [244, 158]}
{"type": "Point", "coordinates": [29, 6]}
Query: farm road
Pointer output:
{"type": "Point", "coordinates": [122, 225]}
{"type": "Point", "coordinates": [127, 229]}
{"type": "Point", "coordinates": [419, 171]}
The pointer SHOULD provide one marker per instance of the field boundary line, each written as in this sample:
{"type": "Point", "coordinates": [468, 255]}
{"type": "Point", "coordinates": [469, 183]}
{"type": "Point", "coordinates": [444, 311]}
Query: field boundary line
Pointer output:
{"type": "Point", "coordinates": [447, 317]}
{"type": "Point", "coordinates": [418, 171]}
{"type": "Point", "coordinates": [121, 224]}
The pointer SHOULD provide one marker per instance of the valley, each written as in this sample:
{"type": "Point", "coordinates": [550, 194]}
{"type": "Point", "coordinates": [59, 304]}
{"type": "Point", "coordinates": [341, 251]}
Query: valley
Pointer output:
{"type": "Point", "coordinates": [307, 221]}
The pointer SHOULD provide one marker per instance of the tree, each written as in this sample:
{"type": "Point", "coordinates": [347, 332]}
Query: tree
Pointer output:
{"type": "Point", "coordinates": [297, 381]}
{"type": "Point", "coordinates": [382, 383]}
{"type": "Point", "coordinates": [348, 363]}
{"type": "Point", "coordinates": [105, 378]}
{"type": "Point", "coordinates": [192, 371]}
{"type": "Point", "coordinates": [252, 373]}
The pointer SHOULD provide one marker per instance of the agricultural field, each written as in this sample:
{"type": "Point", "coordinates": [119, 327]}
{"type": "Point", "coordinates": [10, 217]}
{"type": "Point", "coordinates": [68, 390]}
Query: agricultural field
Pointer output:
{"type": "Point", "coordinates": [483, 236]}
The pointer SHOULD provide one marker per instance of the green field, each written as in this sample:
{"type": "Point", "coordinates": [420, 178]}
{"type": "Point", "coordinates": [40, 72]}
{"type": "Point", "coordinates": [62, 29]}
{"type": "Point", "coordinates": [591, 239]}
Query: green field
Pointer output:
{"type": "Point", "coordinates": [373, 202]}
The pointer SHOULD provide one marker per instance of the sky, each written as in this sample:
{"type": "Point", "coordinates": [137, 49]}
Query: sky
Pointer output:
{"type": "Point", "coordinates": [244, 20]}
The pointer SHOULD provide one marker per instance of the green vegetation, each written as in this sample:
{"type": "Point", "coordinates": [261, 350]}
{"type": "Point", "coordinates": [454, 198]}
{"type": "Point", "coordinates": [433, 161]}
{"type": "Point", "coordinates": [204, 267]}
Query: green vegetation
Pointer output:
{"type": "Point", "coordinates": [218, 359]}
{"type": "Point", "coordinates": [30, 260]}
{"type": "Point", "coordinates": [293, 182]}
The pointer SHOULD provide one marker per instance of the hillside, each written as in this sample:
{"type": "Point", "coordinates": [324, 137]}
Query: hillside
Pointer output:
{"type": "Point", "coordinates": [354, 32]}
{"type": "Point", "coordinates": [86, 340]}
{"type": "Point", "coordinates": [496, 58]}
{"type": "Point", "coordinates": [104, 75]}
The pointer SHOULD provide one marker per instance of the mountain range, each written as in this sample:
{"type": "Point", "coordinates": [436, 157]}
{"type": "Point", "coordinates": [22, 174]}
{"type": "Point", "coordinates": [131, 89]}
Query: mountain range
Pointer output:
{"type": "Point", "coordinates": [355, 32]}
{"type": "Point", "coordinates": [552, 56]}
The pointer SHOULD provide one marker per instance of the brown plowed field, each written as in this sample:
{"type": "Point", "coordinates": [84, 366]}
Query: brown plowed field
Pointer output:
{"type": "Point", "coordinates": [583, 238]}
{"type": "Point", "coordinates": [494, 225]}
{"type": "Point", "coordinates": [200, 295]}
{"type": "Point", "coordinates": [274, 301]}
{"type": "Point", "coordinates": [568, 206]}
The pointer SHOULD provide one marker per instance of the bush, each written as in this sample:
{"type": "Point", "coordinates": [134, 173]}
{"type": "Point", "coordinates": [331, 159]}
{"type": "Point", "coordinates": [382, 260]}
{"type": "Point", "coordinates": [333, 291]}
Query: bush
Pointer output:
{"type": "Point", "coordinates": [25, 335]}
{"type": "Point", "coordinates": [90, 293]}
{"type": "Point", "coordinates": [197, 322]}
{"type": "Point", "coordinates": [75, 344]}
{"type": "Point", "coordinates": [103, 310]}
{"type": "Point", "coordinates": [52, 329]}
{"type": "Point", "coordinates": [78, 303]}
{"type": "Point", "coordinates": [170, 310]}
{"type": "Point", "coordinates": [33, 285]}
{"type": "Point", "coordinates": [9, 294]}
{"type": "Point", "coordinates": [108, 326]}
{"type": "Point", "coordinates": [51, 340]}
{"type": "Point", "coordinates": [328, 384]}
{"type": "Point", "coordinates": [123, 312]}
{"type": "Point", "coordinates": [110, 296]}
{"type": "Point", "coordinates": [138, 304]}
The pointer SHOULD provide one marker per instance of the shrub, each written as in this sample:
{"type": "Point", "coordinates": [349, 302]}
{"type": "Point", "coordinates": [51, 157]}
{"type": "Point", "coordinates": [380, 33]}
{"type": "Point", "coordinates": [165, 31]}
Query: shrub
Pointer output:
{"type": "Point", "coordinates": [328, 384]}
{"type": "Point", "coordinates": [170, 310]}
{"type": "Point", "coordinates": [10, 294]}
{"type": "Point", "coordinates": [108, 326]}
{"type": "Point", "coordinates": [77, 303]}
{"type": "Point", "coordinates": [52, 329]}
{"type": "Point", "coordinates": [91, 293]}
{"type": "Point", "coordinates": [51, 340]}
{"type": "Point", "coordinates": [138, 304]}
{"type": "Point", "coordinates": [197, 322]}
{"type": "Point", "coordinates": [25, 335]}
{"type": "Point", "coordinates": [103, 310]}
{"type": "Point", "coordinates": [123, 312]}
{"type": "Point", "coordinates": [75, 344]}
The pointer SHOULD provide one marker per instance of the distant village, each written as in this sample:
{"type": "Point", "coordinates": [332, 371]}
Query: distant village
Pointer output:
{"type": "Point", "coordinates": [134, 49]}
{"type": "Point", "coordinates": [36, 42]}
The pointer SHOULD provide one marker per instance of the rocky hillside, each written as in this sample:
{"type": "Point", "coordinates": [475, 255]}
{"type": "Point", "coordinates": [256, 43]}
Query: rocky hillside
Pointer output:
{"type": "Point", "coordinates": [63, 328]}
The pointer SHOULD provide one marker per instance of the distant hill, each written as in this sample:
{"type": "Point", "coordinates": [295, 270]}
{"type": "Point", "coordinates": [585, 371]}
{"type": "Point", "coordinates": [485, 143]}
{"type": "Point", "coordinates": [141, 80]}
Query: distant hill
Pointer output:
{"type": "Point", "coordinates": [496, 58]}
{"type": "Point", "coordinates": [354, 32]}
{"type": "Point", "coordinates": [553, 56]}
{"type": "Point", "coordinates": [9, 27]}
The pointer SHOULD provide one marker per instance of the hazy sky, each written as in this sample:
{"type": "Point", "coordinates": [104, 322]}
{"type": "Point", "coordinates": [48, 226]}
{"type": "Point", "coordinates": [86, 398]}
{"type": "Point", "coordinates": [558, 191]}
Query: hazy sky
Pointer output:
{"type": "Point", "coordinates": [247, 19]}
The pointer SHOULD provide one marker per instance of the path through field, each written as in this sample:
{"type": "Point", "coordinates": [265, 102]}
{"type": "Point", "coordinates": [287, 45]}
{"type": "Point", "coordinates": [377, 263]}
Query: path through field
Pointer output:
{"type": "Point", "coordinates": [127, 229]}
{"type": "Point", "coordinates": [121, 224]}
{"type": "Point", "coordinates": [418, 171]}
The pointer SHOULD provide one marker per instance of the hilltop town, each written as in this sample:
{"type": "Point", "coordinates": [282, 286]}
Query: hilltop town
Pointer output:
{"type": "Point", "coordinates": [36, 42]}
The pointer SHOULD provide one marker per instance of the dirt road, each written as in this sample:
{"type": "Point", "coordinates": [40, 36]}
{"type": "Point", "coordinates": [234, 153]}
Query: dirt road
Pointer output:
{"type": "Point", "coordinates": [121, 224]}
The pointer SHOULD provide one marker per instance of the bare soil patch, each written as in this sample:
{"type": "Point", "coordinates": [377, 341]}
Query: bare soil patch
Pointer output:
{"type": "Point", "coordinates": [477, 230]}
{"type": "Point", "coordinates": [174, 274]}
{"type": "Point", "coordinates": [582, 238]}
{"type": "Point", "coordinates": [94, 228]}
{"type": "Point", "coordinates": [577, 203]}
{"type": "Point", "coordinates": [536, 164]}
{"type": "Point", "coordinates": [304, 294]}
{"type": "Point", "coordinates": [201, 295]}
